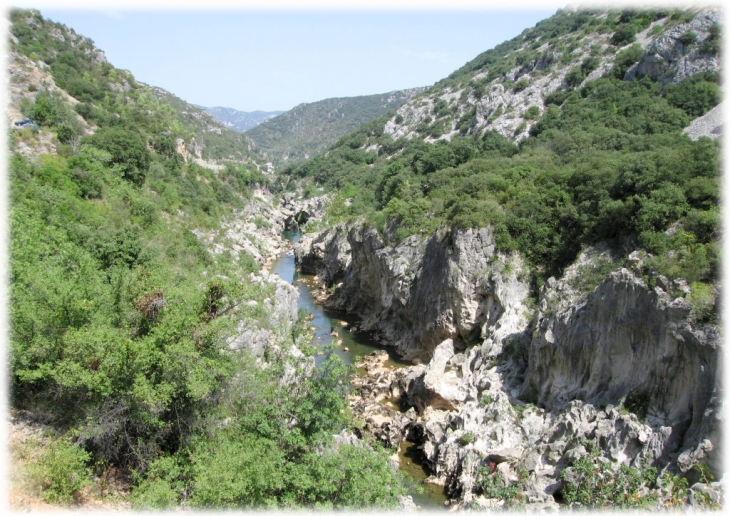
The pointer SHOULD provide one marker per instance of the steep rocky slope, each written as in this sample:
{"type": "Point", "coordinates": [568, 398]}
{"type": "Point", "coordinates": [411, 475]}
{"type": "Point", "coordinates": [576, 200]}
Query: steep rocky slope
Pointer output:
{"type": "Point", "coordinates": [625, 369]}
{"type": "Point", "coordinates": [51, 60]}
{"type": "Point", "coordinates": [477, 97]}
{"type": "Point", "coordinates": [422, 291]}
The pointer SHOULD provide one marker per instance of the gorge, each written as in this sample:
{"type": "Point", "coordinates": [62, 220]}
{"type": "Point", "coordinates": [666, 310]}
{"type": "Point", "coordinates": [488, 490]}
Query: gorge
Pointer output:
{"type": "Point", "coordinates": [526, 384]}
{"type": "Point", "coordinates": [507, 286]}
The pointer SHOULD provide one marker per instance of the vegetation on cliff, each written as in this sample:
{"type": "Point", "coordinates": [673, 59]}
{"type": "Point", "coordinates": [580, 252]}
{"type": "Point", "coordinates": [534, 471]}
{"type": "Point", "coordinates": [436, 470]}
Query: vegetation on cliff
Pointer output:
{"type": "Point", "coordinates": [602, 159]}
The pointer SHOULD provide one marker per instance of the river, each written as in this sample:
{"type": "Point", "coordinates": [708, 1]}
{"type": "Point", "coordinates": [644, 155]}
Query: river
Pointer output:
{"type": "Point", "coordinates": [354, 345]}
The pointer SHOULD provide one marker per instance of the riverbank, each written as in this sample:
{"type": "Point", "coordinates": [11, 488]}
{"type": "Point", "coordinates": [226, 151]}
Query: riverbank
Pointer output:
{"type": "Point", "coordinates": [338, 332]}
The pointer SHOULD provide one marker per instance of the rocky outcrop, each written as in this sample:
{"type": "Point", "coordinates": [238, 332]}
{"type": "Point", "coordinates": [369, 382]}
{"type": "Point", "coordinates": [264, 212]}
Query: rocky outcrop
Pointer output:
{"type": "Point", "coordinates": [423, 291]}
{"type": "Point", "coordinates": [625, 339]}
{"type": "Point", "coordinates": [297, 213]}
{"type": "Point", "coordinates": [254, 231]}
{"type": "Point", "coordinates": [278, 312]}
{"type": "Point", "coordinates": [709, 125]}
{"type": "Point", "coordinates": [622, 368]}
{"type": "Point", "coordinates": [325, 254]}
{"type": "Point", "coordinates": [668, 59]}
{"type": "Point", "coordinates": [444, 383]}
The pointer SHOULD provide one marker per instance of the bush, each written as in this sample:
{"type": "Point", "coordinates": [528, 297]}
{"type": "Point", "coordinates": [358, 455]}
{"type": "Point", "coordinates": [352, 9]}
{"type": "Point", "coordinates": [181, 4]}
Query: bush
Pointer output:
{"type": "Point", "coordinates": [574, 77]}
{"type": "Point", "coordinates": [532, 113]}
{"type": "Point", "coordinates": [594, 484]}
{"type": "Point", "coordinates": [557, 98]}
{"type": "Point", "coordinates": [466, 438]}
{"type": "Point", "coordinates": [164, 485]}
{"type": "Point", "coordinates": [713, 43]}
{"type": "Point", "coordinates": [348, 477]}
{"type": "Point", "coordinates": [638, 403]}
{"type": "Point", "coordinates": [244, 472]}
{"type": "Point", "coordinates": [688, 39]}
{"type": "Point", "coordinates": [626, 59]}
{"type": "Point", "coordinates": [61, 471]}
{"type": "Point", "coordinates": [128, 151]}
{"type": "Point", "coordinates": [491, 484]}
{"type": "Point", "coordinates": [520, 85]}
{"type": "Point", "coordinates": [624, 35]}
{"type": "Point", "coordinates": [703, 302]}
{"type": "Point", "coordinates": [695, 95]}
{"type": "Point", "coordinates": [589, 64]}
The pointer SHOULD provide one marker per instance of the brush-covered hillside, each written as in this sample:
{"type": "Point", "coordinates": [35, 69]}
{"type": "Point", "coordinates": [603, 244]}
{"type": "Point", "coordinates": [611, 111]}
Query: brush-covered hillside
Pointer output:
{"type": "Point", "coordinates": [52, 65]}
{"type": "Point", "coordinates": [309, 129]}
{"type": "Point", "coordinates": [152, 363]}
{"type": "Point", "coordinates": [569, 134]}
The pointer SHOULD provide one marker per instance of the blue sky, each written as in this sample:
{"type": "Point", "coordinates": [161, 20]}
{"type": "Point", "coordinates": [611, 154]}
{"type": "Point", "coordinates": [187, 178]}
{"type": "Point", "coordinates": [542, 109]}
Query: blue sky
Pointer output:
{"type": "Point", "coordinates": [274, 60]}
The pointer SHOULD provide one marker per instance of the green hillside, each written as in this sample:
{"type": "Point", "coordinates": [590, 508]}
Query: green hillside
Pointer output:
{"type": "Point", "coordinates": [308, 129]}
{"type": "Point", "coordinates": [121, 319]}
{"type": "Point", "coordinates": [559, 138]}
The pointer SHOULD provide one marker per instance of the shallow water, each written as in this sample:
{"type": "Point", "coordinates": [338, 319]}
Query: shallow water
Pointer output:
{"type": "Point", "coordinates": [358, 344]}
{"type": "Point", "coordinates": [432, 496]}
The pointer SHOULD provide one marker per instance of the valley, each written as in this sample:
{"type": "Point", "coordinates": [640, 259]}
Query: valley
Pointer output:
{"type": "Point", "coordinates": [499, 292]}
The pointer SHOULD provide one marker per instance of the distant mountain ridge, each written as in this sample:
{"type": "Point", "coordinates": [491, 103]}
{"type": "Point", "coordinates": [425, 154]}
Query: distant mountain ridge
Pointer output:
{"type": "Point", "coordinates": [239, 120]}
{"type": "Point", "coordinates": [308, 129]}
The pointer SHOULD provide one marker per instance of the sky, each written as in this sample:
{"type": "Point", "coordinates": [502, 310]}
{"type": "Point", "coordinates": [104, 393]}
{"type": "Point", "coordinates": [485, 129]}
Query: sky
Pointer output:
{"type": "Point", "coordinates": [273, 60]}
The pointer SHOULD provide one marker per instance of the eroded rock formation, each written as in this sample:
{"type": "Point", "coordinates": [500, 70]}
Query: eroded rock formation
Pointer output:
{"type": "Point", "coordinates": [623, 368]}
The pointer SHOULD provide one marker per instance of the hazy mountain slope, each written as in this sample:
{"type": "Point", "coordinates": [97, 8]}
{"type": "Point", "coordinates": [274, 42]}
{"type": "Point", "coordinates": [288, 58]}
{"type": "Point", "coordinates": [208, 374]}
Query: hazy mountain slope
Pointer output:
{"type": "Point", "coordinates": [308, 129]}
{"type": "Point", "coordinates": [215, 141]}
{"type": "Point", "coordinates": [240, 120]}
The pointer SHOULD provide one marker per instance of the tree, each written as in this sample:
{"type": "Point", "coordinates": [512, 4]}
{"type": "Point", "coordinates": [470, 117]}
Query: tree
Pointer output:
{"type": "Point", "coordinates": [127, 148]}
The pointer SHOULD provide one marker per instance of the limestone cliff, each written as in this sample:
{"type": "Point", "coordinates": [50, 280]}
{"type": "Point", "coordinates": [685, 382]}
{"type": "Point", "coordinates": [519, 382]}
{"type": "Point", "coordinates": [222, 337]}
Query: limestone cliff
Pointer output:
{"type": "Point", "coordinates": [628, 368]}
{"type": "Point", "coordinates": [423, 291]}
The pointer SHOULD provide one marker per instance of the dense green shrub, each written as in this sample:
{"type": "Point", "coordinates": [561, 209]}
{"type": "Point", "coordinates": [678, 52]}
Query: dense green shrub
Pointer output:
{"type": "Point", "coordinates": [492, 484]}
{"type": "Point", "coordinates": [245, 472]}
{"type": "Point", "coordinates": [61, 471]}
{"type": "Point", "coordinates": [626, 59]}
{"type": "Point", "coordinates": [695, 95]}
{"type": "Point", "coordinates": [557, 97]}
{"type": "Point", "coordinates": [688, 38]}
{"type": "Point", "coordinates": [589, 64]}
{"type": "Point", "coordinates": [520, 85]}
{"type": "Point", "coordinates": [574, 77]}
{"type": "Point", "coordinates": [624, 35]}
{"type": "Point", "coordinates": [127, 149]}
{"type": "Point", "coordinates": [596, 484]}
{"type": "Point", "coordinates": [713, 44]}
{"type": "Point", "coordinates": [532, 113]}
